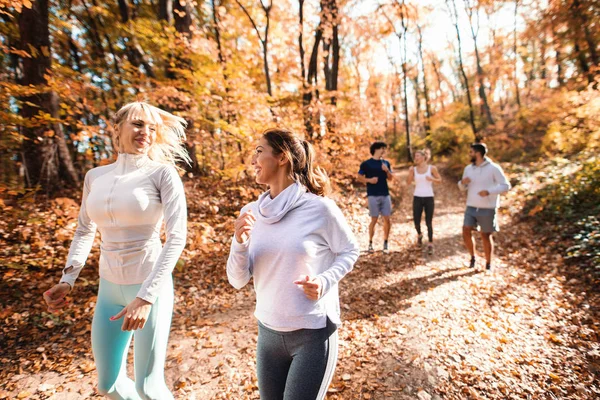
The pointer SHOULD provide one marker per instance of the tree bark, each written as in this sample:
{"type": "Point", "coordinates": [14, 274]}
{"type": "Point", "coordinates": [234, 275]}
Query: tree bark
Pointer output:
{"type": "Point", "coordinates": [165, 11]}
{"type": "Point", "coordinates": [425, 89]}
{"type": "Point", "coordinates": [454, 16]}
{"type": "Point", "coordinates": [516, 55]}
{"type": "Point", "coordinates": [480, 75]}
{"type": "Point", "coordinates": [264, 41]}
{"type": "Point", "coordinates": [331, 45]}
{"type": "Point", "coordinates": [579, 12]}
{"type": "Point", "coordinates": [45, 153]}
{"type": "Point", "coordinates": [440, 92]}
{"type": "Point", "coordinates": [311, 86]}
{"type": "Point", "coordinates": [405, 81]}
{"type": "Point", "coordinates": [134, 51]}
{"type": "Point", "coordinates": [182, 15]}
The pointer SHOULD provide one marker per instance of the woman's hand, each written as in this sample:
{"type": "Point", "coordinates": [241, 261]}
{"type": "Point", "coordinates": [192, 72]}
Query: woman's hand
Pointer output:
{"type": "Point", "coordinates": [311, 285]}
{"type": "Point", "coordinates": [136, 314]}
{"type": "Point", "coordinates": [243, 226]}
{"type": "Point", "coordinates": [56, 297]}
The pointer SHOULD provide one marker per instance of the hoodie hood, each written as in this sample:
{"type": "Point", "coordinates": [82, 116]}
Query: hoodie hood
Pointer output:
{"type": "Point", "coordinates": [273, 210]}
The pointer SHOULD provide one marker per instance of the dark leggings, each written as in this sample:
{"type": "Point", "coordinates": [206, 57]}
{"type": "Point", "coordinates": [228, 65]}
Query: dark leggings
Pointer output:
{"type": "Point", "coordinates": [420, 203]}
{"type": "Point", "coordinates": [295, 365]}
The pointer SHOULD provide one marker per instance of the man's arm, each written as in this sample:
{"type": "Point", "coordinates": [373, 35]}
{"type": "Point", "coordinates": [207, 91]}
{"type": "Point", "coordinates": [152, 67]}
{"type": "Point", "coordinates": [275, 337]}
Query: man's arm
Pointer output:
{"type": "Point", "coordinates": [387, 170]}
{"type": "Point", "coordinates": [463, 184]}
{"type": "Point", "coordinates": [501, 183]}
{"type": "Point", "coordinates": [363, 179]}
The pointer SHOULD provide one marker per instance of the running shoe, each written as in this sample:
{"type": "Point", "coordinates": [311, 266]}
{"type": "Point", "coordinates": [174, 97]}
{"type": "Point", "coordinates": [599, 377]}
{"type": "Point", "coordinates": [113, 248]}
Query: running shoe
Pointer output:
{"type": "Point", "coordinates": [472, 263]}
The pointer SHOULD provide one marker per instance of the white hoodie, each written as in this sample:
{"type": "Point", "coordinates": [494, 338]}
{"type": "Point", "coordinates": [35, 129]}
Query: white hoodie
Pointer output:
{"type": "Point", "coordinates": [487, 176]}
{"type": "Point", "coordinates": [295, 234]}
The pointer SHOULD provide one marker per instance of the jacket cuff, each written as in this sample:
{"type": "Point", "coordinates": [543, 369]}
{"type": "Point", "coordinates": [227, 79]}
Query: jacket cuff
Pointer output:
{"type": "Point", "coordinates": [237, 246]}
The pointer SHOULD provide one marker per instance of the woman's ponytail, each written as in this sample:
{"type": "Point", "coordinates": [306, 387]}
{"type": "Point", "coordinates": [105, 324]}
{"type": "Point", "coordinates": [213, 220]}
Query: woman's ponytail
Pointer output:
{"type": "Point", "coordinates": [301, 155]}
{"type": "Point", "coordinates": [314, 178]}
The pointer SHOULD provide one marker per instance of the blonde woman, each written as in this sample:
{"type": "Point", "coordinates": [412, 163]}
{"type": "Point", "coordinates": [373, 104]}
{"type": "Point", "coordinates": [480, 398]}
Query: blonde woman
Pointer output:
{"type": "Point", "coordinates": [297, 246]}
{"type": "Point", "coordinates": [423, 176]}
{"type": "Point", "coordinates": [127, 201]}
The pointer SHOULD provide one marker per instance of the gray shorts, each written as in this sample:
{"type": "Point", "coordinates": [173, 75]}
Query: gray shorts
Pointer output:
{"type": "Point", "coordinates": [380, 205]}
{"type": "Point", "coordinates": [485, 218]}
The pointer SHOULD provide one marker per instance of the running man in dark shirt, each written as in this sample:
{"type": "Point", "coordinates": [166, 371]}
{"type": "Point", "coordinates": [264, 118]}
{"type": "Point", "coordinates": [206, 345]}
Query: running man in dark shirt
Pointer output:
{"type": "Point", "coordinates": [375, 172]}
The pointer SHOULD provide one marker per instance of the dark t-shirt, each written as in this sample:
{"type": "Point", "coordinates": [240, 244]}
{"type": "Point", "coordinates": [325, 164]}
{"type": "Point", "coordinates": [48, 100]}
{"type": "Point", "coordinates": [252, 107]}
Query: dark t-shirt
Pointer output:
{"type": "Point", "coordinates": [372, 168]}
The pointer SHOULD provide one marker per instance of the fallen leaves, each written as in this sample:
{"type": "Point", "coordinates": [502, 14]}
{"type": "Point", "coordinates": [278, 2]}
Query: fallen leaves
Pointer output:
{"type": "Point", "coordinates": [415, 326]}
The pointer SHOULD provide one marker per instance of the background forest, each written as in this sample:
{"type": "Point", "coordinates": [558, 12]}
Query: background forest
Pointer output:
{"type": "Point", "coordinates": [520, 75]}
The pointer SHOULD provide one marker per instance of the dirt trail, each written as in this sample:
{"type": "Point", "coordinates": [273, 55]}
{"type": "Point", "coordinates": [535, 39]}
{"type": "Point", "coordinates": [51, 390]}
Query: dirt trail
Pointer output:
{"type": "Point", "coordinates": [416, 325]}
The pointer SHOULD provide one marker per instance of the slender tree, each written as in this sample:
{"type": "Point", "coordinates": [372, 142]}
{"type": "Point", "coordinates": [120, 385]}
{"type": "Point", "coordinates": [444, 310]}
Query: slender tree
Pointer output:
{"type": "Point", "coordinates": [262, 37]}
{"type": "Point", "coordinates": [472, 11]}
{"type": "Point", "coordinates": [451, 6]}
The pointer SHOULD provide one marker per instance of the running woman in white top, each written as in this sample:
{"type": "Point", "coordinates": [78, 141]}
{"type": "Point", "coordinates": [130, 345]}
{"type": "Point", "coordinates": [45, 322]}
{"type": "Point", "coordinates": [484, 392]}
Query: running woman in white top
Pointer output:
{"type": "Point", "coordinates": [423, 175]}
{"type": "Point", "coordinates": [127, 201]}
{"type": "Point", "coordinates": [297, 246]}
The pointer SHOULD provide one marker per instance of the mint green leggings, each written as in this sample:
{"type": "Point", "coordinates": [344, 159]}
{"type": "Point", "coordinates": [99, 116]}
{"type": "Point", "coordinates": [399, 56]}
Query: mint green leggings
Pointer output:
{"type": "Point", "coordinates": [110, 344]}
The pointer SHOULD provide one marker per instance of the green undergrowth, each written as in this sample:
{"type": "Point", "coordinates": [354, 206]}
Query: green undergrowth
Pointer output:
{"type": "Point", "coordinates": [566, 202]}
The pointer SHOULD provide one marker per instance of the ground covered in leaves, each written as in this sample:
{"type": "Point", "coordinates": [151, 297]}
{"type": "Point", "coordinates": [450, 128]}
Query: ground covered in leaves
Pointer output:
{"type": "Point", "coordinates": [416, 325]}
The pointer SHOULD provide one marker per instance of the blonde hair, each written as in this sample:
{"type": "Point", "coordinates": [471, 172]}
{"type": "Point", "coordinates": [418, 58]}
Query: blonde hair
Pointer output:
{"type": "Point", "coordinates": [426, 153]}
{"type": "Point", "coordinates": [301, 156]}
{"type": "Point", "coordinates": [168, 148]}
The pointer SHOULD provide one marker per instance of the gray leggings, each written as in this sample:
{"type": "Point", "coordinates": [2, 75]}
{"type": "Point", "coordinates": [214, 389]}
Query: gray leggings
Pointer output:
{"type": "Point", "coordinates": [296, 365]}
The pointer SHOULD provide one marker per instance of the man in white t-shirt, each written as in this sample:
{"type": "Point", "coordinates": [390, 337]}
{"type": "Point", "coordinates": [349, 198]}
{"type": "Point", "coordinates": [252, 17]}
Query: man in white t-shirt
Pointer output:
{"type": "Point", "coordinates": [484, 181]}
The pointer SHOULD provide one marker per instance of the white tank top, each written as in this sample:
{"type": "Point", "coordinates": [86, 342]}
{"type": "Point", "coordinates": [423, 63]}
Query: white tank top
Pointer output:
{"type": "Point", "coordinates": [423, 187]}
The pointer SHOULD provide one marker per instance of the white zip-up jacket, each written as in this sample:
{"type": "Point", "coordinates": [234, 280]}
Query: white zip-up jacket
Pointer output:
{"type": "Point", "coordinates": [487, 176]}
{"type": "Point", "coordinates": [127, 201]}
{"type": "Point", "coordinates": [295, 234]}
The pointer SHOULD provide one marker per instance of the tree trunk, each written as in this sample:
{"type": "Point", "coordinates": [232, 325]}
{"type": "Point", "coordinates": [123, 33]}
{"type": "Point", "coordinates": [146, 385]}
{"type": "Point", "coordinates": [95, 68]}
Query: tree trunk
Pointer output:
{"type": "Point", "coordinates": [182, 13]}
{"type": "Point", "coordinates": [516, 55]}
{"type": "Point", "coordinates": [558, 58]}
{"type": "Point", "coordinates": [480, 75]}
{"type": "Point", "coordinates": [454, 15]}
{"type": "Point", "coordinates": [331, 45]}
{"type": "Point", "coordinates": [45, 153]}
{"type": "Point", "coordinates": [440, 92]}
{"type": "Point", "coordinates": [264, 41]}
{"type": "Point", "coordinates": [543, 49]}
{"type": "Point", "coordinates": [134, 51]}
{"type": "Point", "coordinates": [311, 89]}
{"type": "Point", "coordinates": [425, 89]}
{"type": "Point", "coordinates": [579, 13]}
{"type": "Point", "coordinates": [165, 11]}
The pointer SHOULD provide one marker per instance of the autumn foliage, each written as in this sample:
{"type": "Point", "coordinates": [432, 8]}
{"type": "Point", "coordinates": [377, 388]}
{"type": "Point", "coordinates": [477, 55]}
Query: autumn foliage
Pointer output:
{"type": "Point", "coordinates": [520, 75]}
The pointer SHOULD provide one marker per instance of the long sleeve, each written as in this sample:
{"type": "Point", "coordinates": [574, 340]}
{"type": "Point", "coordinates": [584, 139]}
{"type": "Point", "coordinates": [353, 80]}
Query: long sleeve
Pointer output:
{"type": "Point", "coordinates": [239, 267]}
{"type": "Point", "coordinates": [501, 183]}
{"type": "Point", "coordinates": [461, 186]}
{"type": "Point", "coordinates": [82, 240]}
{"type": "Point", "coordinates": [172, 197]}
{"type": "Point", "coordinates": [342, 242]}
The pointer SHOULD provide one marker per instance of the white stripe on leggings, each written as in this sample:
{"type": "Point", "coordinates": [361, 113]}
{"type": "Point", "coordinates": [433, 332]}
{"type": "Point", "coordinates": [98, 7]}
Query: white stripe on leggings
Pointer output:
{"type": "Point", "coordinates": [332, 349]}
